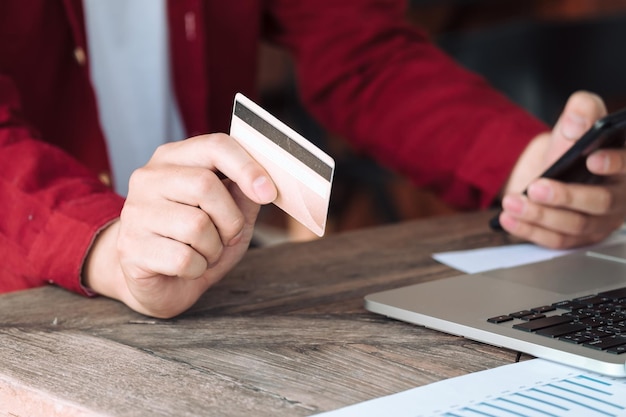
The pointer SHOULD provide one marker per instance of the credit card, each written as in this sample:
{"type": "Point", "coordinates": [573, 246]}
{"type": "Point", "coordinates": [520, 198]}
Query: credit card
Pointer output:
{"type": "Point", "coordinates": [302, 173]}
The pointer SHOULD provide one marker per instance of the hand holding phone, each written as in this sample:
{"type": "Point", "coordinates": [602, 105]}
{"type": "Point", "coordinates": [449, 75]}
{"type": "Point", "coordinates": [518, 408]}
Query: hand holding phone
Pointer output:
{"type": "Point", "coordinates": [571, 167]}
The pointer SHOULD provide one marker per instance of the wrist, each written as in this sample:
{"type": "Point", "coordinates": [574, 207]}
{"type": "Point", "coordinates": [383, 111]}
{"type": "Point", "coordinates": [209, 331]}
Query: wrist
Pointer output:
{"type": "Point", "coordinates": [102, 273]}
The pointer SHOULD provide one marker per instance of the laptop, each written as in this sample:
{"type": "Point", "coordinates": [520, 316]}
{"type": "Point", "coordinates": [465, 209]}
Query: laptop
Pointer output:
{"type": "Point", "coordinates": [570, 309]}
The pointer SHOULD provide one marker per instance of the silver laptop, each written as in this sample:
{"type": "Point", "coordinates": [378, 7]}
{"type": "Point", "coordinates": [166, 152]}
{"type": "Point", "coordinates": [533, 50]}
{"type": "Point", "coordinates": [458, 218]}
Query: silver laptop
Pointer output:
{"type": "Point", "coordinates": [570, 309]}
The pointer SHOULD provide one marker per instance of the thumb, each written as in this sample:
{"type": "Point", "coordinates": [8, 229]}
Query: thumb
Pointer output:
{"type": "Point", "coordinates": [581, 111]}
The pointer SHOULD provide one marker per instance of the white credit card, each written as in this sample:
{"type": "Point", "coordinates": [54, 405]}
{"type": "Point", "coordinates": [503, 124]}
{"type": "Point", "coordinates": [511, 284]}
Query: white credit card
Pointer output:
{"type": "Point", "coordinates": [301, 171]}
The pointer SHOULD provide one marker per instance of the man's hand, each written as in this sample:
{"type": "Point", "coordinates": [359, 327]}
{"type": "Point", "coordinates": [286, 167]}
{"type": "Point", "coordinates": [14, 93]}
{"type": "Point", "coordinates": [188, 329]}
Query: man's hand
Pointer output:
{"type": "Point", "coordinates": [182, 227]}
{"type": "Point", "coordinates": [559, 215]}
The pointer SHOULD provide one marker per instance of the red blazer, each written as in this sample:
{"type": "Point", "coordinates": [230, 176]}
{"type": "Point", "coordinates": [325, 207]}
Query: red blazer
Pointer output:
{"type": "Point", "coordinates": [363, 72]}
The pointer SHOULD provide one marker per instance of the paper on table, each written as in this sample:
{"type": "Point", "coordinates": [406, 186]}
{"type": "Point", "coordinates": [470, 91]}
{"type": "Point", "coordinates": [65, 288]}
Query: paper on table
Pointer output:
{"type": "Point", "coordinates": [531, 388]}
{"type": "Point", "coordinates": [479, 260]}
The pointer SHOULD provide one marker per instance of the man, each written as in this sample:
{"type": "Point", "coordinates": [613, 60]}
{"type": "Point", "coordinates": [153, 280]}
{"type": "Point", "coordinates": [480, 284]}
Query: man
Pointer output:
{"type": "Point", "coordinates": [362, 71]}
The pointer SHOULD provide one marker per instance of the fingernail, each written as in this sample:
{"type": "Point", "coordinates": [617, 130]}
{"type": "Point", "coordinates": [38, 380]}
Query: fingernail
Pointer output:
{"type": "Point", "coordinates": [514, 204]}
{"type": "Point", "coordinates": [264, 189]}
{"type": "Point", "coordinates": [598, 162]}
{"type": "Point", "coordinates": [573, 126]}
{"type": "Point", "coordinates": [541, 192]}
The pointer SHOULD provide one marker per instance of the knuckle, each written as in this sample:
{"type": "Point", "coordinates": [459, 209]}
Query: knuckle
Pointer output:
{"type": "Point", "coordinates": [543, 237]}
{"type": "Point", "coordinates": [563, 195]}
{"type": "Point", "coordinates": [125, 215]}
{"type": "Point", "coordinates": [251, 169]}
{"type": "Point", "coordinates": [237, 224]}
{"type": "Point", "coordinates": [579, 224]}
{"type": "Point", "coordinates": [215, 256]}
{"type": "Point", "coordinates": [216, 140]}
{"type": "Point", "coordinates": [137, 177]}
{"type": "Point", "coordinates": [163, 150]}
{"type": "Point", "coordinates": [197, 222]}
{"type": "Point", "coordinates": [535, 213]}
{"type": "Point", "coordinates": [621, 162]}
{"type": "Point", "coordinates": [557, 241]}
{"type": "Point", "coordinates": [205, 182]}
{"type": "Point", "coordinates": [605, 200]}
{"type": "Point", "coordinates": [597, 237]}
{"type": "Point", "coordinates": [185, 264]}
{"type": "Point", "coordinates": [233, 228]}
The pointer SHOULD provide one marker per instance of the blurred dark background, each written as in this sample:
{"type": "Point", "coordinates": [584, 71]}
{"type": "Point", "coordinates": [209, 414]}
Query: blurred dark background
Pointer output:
{"type": "Point", "coordinates": [537, 52]}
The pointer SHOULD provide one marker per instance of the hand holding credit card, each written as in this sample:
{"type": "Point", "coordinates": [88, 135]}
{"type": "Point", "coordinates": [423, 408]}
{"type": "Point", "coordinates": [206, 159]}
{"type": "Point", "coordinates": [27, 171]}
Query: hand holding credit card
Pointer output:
{"type": "Point", "coordinates": [302, 172]}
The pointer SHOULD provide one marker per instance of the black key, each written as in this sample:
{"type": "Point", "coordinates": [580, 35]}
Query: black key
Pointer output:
{"type": "Point", "coordinates": [576, 338]}
{"type": "Point", "coordinates": [609, 329]}
{"type": "Point", "coordinates": [500, 319]}
{"type": "Point", "coordinates": [592, 322]}
{"type": "Point", "coordinates": [617, 316]}
{"type": "Point", "coordinates": [602, 310]}
{"type": "Point", "coordinates": [533, 317]}
{"type": "Point", "coordinates": [598, 333]}
{"type": "Point", "coordinates": [543, 309]}
{"type": "Point", "coordinates": [585, 311]}
{"type": "Point", "coordinates": [564, 305]}
{"type": "Point", "coordinates": [617, 350]}
{"type": "Point", "coordinates": [520, 314]}
{"type": "Point", "coordinates": [561, 330]}
{"type": "Point", "coordinates": [534, 325]}
{"type": "Point", "coordinates": [576, 315]}
{"type": "Point", "coordinates": [606, 342]}
{"type": "Point", "coordinates": [590, 300]}
{"type": "Point", "coordinates": [576, 306]}
{"type": "Point", "coordinates": [614, 294]}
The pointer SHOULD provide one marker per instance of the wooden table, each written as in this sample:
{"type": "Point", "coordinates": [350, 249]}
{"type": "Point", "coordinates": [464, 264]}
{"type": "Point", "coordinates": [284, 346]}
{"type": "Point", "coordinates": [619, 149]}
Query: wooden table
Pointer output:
{"type": "Point", "coordinates": [285, 334]}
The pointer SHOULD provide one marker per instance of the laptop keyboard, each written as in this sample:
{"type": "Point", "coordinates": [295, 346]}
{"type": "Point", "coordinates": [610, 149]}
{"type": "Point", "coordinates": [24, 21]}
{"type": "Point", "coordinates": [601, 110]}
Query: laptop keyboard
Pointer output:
{"type": "Point", "coordinates": [596, 321]}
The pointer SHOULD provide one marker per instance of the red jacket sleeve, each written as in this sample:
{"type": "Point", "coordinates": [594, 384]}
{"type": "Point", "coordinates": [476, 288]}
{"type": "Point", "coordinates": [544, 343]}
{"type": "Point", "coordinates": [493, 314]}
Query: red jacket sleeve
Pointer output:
{"type": "Point", "coordinates": [375, 80]}
{"type": "Point", "coordinates": [52, 206]}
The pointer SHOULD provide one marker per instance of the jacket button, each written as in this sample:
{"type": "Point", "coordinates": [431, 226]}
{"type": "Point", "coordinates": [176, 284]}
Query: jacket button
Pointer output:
{"type": "Point", "coordinates": [105, 178]}
{"type": "Point", "coordinates": [190, 26]}
{"type": "Point", "coordinates": [80, 56]}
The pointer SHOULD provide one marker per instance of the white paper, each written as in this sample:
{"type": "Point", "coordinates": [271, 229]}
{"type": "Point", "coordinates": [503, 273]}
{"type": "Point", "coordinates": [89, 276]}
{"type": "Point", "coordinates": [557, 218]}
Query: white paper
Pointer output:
{"type": "Point", "coordinates": [531, 388]}
{"type": "Point", "coordinates": [480, 260]}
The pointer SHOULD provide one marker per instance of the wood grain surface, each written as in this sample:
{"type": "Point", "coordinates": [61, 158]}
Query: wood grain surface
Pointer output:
{"type": "Point", "coordinates": [284, 334]}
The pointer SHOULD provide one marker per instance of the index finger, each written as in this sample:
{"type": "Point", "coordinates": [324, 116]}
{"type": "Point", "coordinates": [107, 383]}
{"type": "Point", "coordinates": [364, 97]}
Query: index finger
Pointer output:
{"type": "Point", "coordinates": [221, 153]}
{"type": "Point", "coordinates": [598, 199]}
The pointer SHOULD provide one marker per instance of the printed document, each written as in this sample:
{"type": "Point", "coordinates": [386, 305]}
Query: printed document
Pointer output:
{"type": "Point", "coordinates": [533, 388]}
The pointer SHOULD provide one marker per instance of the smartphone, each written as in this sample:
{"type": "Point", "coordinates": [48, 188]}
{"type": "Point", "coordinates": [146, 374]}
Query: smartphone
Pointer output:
{"type": "Point", "coordinates": [608, 132]}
